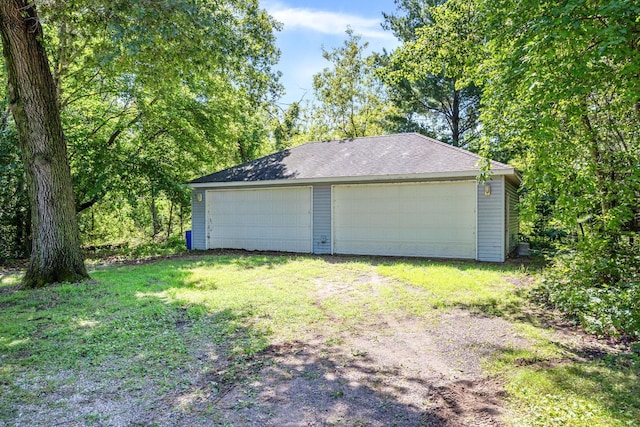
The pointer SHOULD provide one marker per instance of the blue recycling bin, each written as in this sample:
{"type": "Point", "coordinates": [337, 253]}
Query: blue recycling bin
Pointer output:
{"type": "Point", "coordinates": [187, 236]}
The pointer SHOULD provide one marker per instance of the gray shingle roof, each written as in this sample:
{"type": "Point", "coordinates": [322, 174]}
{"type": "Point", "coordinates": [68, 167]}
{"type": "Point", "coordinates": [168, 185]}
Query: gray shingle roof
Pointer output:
{"type": "Point", "coordinates": [401, 154]}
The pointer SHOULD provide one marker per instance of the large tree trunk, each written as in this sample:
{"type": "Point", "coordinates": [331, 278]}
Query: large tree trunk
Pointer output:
{"type": "Point", "coordinates": [55, 255]}
{"type": "Point", "coordinates": [21, 222]}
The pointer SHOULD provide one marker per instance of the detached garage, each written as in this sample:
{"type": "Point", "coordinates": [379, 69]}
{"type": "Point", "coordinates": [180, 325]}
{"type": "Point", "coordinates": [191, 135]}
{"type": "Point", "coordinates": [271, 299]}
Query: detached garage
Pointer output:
{"type": "Point", "coordinates": [400, 195]}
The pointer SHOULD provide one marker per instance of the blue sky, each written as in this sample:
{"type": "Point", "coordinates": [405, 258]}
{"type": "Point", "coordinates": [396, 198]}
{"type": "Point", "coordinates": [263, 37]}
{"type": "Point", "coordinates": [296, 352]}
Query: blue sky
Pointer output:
{"type": "Point", "coordinates": [310, 25]}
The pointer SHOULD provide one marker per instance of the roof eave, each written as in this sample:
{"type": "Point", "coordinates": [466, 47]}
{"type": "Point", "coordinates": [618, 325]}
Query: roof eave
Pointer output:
{"type": "Point", "coordinates": [365, 178]}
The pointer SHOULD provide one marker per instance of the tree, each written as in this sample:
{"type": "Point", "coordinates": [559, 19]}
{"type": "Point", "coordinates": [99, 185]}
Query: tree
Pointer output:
{"type": "Point", "coordinates": [431, 92]}
{"type": "Point", "coordinates": [564, 88]}
{"type": "Point", "coordinates": [561, 88]}
{"type": "Point", "coordinates": [351, 101]}
{"type": "Point", "coordinates": [287, 128]}
{"type": "Point", "coordinates": [194, 76]}
{"type": "Point", "coordinates": [154, 93]}
{"type": "Point", "coordinates": [56, 255]}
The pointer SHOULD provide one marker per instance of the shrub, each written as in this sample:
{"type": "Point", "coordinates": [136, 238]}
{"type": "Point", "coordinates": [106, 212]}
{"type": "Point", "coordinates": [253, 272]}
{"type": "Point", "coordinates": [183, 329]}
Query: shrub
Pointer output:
{"type": "Point", "coordinates": [598, 285]}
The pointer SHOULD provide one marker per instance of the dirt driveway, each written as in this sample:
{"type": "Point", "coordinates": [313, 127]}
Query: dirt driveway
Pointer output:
{"type": "Point", "coordinates": [383, 370]}
{"type": "Point", "coordinates": [390, 372]}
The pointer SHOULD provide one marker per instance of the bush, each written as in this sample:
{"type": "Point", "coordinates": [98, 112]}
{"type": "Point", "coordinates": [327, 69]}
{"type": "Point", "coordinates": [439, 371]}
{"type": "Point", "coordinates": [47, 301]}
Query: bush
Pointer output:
{"type": "Point", "coordinates": [598, 285]}
{"type": "Point", "coordinates": [172, 246]}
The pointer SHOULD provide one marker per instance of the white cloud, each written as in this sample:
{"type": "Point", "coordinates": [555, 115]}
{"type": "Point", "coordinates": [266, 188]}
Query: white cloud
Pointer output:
{"type": "Point", "coordinates": [326, 22]}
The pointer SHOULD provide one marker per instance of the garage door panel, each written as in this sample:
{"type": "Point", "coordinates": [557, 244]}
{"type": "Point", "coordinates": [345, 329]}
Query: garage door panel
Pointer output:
{"type": "Point", "coordinates": [261, 219]}
{"type": "Point", "coordinates": [431, 220]}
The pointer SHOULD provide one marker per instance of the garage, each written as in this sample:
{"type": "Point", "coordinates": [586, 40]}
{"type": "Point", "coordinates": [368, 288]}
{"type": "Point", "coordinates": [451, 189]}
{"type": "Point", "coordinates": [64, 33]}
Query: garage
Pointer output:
{"type": "Point", "coordinates": [272, 219]}
{"type": "Point", "coordinates": [396, 195]}
{"type": "Point", "coordinates": [425, 219]}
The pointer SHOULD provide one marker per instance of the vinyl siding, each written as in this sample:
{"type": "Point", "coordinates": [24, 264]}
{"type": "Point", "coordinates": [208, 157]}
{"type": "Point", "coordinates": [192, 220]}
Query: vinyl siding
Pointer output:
{"type": "Point", "coordinates": [491, 219]}
{"type": "Point", "coordinates": [513, 219]}
{"type": "Point", "coordinates": [199, 221]}
{"type": "Point", "coordinates": [491, 222]}
{"type": "Point", "coordinates": [322, 219]}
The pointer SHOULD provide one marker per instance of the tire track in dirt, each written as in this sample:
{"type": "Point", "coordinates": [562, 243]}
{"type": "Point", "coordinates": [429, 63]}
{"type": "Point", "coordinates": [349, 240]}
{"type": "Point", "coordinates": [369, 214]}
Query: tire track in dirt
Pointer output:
{"type": "Point", "coordinates": [389, 370]}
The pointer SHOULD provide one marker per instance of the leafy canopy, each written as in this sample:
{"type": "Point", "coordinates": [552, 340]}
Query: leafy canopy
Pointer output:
{"type": "Point", "coordinates": [426, 76]}
{"type": "Point", "coordinates": [351, 100]}
{"type": "Point", "coordinates": [156, 92]}
{"type": "Point", "coordinates": [561, 89]}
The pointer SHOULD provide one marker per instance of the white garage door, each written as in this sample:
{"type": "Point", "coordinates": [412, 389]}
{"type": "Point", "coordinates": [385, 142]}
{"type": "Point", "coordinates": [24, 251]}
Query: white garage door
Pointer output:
{"type": "Point", "coordinates": [430, 220]}
{"type": "Point", "coordinates": [260, 219]}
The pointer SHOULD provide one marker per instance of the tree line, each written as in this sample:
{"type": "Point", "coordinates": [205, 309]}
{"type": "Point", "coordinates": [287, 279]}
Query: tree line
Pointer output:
{"type": "Point", "coordinates": [153, 93]}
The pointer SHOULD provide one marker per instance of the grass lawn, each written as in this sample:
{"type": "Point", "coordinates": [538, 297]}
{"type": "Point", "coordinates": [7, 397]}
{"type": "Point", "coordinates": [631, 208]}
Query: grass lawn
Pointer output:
{"type": "Point", "coordinates": [168, 340]}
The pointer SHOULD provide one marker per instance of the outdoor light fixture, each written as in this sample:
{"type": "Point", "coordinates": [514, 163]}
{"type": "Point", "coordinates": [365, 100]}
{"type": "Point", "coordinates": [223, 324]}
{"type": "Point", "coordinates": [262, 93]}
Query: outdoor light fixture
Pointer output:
{"type": "Point", "coordinates": [487, 189]}
{"type": "Point", "coordinates": [199, 197]}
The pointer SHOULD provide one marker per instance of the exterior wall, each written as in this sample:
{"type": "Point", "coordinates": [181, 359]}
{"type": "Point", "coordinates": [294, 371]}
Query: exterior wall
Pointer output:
{"type": "Point", "coordinates": [199, 220]}
{"type": "Point", "coordinates": [512, 217]}
{"type": "Point", "coordinates": [497, 220]}
{"type": "Point", "coordinates": [491, 221]}
{"type": "Point", "coordinates": [322, 219]}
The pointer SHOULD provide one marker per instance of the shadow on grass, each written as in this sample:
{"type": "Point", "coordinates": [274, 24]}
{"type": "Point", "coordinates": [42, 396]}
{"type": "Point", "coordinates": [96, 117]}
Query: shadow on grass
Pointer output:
{"type": "Point", "coordinates": [113, 348]}
{"type": "Point", "coordinates": [614, 379]}
{"type": "Point", "coordinates": [120, 351]}
{"type": "Point", "coordinates": [583, 386]}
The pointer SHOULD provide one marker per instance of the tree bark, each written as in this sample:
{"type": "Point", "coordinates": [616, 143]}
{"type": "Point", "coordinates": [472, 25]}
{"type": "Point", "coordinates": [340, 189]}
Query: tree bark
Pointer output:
{"type": "Point", "coordinates": [455, 118]}
{"type": "Point", "coordinates": [55, 255]}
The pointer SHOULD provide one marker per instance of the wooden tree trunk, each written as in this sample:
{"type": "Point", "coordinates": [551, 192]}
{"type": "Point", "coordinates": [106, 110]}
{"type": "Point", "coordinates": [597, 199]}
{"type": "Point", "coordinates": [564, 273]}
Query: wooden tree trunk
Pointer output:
{"type": "Point", "coordinates": [55, 255]}
{"type": "Point", "coordinates": [455, 118]}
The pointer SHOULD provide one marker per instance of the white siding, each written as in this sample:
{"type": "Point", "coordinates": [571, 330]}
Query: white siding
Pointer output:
{"type": "Point", "coordinates": [322, 219]}
{"type": "Point", "coordinates": [491, 221]}
{"type": "Point", "coordinates": [418, 219]}
{"type": "Point", "coordinates": [512, 217]}
{"type": "Point", "coordinates": [198, 221]}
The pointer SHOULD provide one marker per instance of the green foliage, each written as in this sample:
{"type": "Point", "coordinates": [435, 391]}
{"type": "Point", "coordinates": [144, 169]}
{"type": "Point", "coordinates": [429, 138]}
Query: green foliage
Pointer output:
{"type": "Point", "coordinates": [564, 92]}
{"type": "Point", "coordinates": [116, 220]}
{"type": "Point", "coordinates": [162, 98]}
{"type": "Point", "coordinates": [598, 285]}
{"type": "Point", "coordinates": [14, 212]}
{"type": "Point", "coordinates": [424, 82]}
{"type": "Point", "coordinates": [135, 251]}
{"type": "Point", "coordinates": [560, 92]}
{"type": "Point", "coordinates": [288, 127]}
{"type": "Point", "coordinates": [153, 94]}
{"type": "Point", "coordinates": [351, 100]}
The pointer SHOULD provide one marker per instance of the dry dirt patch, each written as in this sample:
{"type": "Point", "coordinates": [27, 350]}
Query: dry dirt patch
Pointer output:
{"type": "Point", "coordinates": [396, 370]}
{"type": "Point", "coordinates": [390, 370]}
{"type": "Point", "coordinates": [394, 375]}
